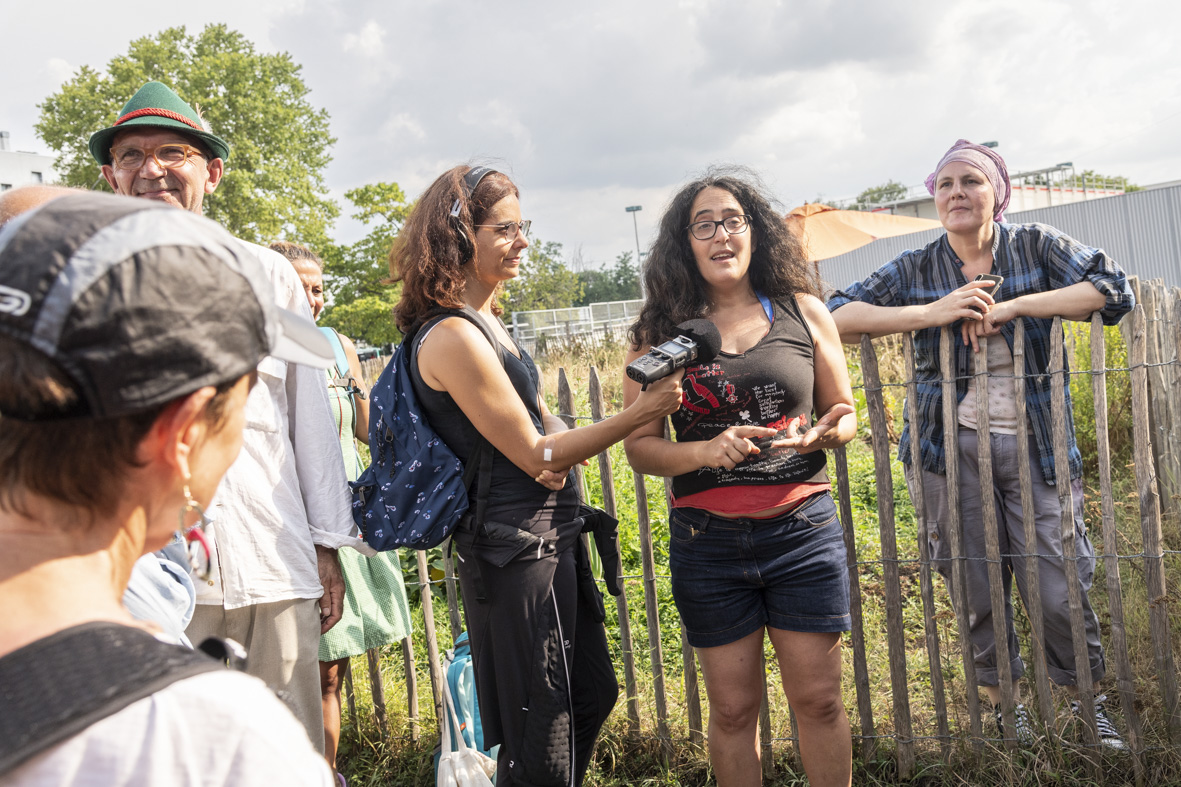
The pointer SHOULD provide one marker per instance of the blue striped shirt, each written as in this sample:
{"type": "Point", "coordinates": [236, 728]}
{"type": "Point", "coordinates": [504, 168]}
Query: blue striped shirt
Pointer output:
{"type": "Point", "coordinates": [1032, 258]}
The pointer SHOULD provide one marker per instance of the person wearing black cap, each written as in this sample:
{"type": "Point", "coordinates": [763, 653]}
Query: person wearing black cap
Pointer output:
{"type": "Point", "coordinates": [284, 507]}
{"type": "Point", "coordinates": [130, 335]}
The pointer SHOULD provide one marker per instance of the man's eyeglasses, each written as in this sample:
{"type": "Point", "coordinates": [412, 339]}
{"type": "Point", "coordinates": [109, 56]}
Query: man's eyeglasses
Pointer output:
{"type": "Point", "coordinates": [168, 156]}
{"type": "Point", "coordinates": [734, 225]}
{"type": "Point", "coordinates": [511, 228]}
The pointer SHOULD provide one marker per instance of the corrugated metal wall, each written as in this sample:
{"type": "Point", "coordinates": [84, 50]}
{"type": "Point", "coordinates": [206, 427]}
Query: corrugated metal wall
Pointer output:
{"type": "Point", "coordinates": [1141, 231]}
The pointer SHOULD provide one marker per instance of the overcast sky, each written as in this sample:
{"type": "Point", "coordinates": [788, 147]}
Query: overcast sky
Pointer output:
{"type": "Point", "coordinates": [592, 107]}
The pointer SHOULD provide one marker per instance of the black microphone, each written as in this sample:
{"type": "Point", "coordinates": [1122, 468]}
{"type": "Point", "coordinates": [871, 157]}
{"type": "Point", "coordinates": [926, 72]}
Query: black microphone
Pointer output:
{"type": "Point", "coordinates": [697, 341]}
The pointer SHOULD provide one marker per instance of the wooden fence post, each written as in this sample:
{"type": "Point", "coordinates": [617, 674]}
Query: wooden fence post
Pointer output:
{"type": "Point", "coordinates": [1150, 528]}
{"type": "Point", "coordinates": [378, 690]}
{"type": "Point", "coordinates": [955, 533]}
{"type": "Point", "coordinates": [607, 480]}
{"type": "Point", "coordinates": [1062, 483]}
{"type": "Point", "coordinates": [860, 667]}
{"type": "Point", "coordinates": [1158, 398]}
{"type": "Point", "coordinates": [432, 642]}
{"type": "Point", "coordinates": [895, 634]}
{"type": "Point", "coordinates": [926, 588]}
{"type": "Point", "coordinates": [411, 687]}
{"type": "Point", "coordinates": [766, 753]}
{"type": "Point", "coordinates": [688, 660]}
{"type": "Point", "coordinates": [1033, 585]}
{"type": "Point", "coordinates": [350, 695]}
{"type": "Point", "coordinates": [652, 612]}
{"type": "Point", "coordinates": [992, 546]}
{"type": "Point", "coordinates": [1115, 597]}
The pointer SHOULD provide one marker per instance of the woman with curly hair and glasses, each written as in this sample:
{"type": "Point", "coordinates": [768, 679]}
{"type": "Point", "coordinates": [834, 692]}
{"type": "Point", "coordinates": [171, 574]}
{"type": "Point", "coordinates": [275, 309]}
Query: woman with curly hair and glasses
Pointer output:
{"type": "Point", "coordinates": [543, 673]}
{"type": "Point", "coordinates": [755, 547]}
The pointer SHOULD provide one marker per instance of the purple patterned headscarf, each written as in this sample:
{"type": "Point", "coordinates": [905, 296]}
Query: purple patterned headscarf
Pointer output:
{"type": "Point", "coordinates": [987, 161]}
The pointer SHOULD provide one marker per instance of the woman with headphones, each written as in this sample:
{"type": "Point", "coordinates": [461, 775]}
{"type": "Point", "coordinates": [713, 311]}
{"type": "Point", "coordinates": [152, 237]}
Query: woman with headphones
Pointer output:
{"type": "Point", "coordinates": [544, 677]}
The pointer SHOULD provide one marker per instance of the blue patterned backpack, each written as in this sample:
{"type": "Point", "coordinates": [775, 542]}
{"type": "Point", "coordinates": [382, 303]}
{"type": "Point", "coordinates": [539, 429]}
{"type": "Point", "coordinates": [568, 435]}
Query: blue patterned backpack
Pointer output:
{"type": "Point", "coordinates": [415, 490]}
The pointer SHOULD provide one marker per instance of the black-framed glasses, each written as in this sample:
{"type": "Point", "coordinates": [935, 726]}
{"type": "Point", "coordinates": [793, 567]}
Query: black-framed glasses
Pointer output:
{"type": "Point", "coordinates": [734, 225]}
{"type": "Point", "coordinates": [511, 228]}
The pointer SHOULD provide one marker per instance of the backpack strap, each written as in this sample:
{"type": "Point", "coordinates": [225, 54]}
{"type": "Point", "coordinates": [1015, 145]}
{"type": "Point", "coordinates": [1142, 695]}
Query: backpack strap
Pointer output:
{"type": "Point", "coordinates": [344, 378]}
{"type": "Point", "coordinates": [342, 361]}
{"type": "Point", "coordinates": [58, 686]}
{"type": "Point", "coordinates": [482, 450]}
{"type": "Point", "coordinates": [481, 469]}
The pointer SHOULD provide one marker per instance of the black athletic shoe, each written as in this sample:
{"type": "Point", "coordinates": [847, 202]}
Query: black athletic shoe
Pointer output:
{"type": "Point", "coordinates": [1108, 735]}
{"type": "Point", "coordinates": [1024, 732]}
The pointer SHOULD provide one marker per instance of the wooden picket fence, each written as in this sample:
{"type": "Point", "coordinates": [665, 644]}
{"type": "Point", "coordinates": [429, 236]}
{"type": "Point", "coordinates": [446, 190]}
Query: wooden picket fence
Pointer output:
{"type": "Point", "coordinates": [1152, 333]}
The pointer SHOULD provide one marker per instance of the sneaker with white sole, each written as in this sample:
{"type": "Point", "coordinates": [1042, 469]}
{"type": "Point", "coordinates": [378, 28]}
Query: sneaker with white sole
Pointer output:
{"type": "Point", "coordinates": [1108, 735]}
{"type": "Point", "coordinates": [1024, 732]}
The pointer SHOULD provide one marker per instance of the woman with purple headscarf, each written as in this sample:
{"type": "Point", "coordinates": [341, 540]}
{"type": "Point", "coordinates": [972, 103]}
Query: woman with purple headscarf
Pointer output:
{"type": "Point", "coordinates": [1043, 274]}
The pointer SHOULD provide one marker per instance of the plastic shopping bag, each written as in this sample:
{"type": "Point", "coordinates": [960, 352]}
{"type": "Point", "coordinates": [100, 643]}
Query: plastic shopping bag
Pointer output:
{"type": "Point", "coordinates": [459, 764]}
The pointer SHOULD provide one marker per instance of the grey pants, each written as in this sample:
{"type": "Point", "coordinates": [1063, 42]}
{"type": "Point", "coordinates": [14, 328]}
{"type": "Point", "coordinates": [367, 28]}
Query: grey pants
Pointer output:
{"type": "Point", "coordinates": [1011, 532]}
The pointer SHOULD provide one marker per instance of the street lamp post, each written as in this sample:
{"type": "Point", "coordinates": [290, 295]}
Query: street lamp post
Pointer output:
{"type": "Point", "coordinates": [633, 210]}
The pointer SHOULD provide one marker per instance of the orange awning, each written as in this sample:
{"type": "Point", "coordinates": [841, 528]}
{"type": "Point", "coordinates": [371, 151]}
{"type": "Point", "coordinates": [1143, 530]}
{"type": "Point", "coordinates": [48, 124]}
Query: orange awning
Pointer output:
{"type": "Point", "coordinates": [827, 232]}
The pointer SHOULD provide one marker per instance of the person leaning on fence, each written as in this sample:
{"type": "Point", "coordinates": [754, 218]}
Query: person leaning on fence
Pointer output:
{"type": "Point", "coordinates": [544, 676]}
{"type": "Point", "coordinates": [755, 541]}
{"type": "Point", "coordinates": [1046, 274]}
{"type": "Point", "coordinates": [375, 611]}
{"type": "Point", "coordinates": [129, 338]}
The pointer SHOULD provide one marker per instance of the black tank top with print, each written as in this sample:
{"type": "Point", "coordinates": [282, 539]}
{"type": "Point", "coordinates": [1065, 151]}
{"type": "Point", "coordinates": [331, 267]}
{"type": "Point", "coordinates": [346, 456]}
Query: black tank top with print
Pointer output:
{"type": "Point", "coordinates": [768, 385]}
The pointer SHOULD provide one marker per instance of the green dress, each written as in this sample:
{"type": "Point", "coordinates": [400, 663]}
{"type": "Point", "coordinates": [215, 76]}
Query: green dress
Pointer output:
{"type": "Point", "coordinates": [375, 608]}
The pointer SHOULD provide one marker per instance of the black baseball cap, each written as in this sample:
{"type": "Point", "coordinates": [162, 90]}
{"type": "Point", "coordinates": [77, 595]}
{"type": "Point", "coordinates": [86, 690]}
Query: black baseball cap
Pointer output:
{"type": "Point", "coordinates": [140, 302]}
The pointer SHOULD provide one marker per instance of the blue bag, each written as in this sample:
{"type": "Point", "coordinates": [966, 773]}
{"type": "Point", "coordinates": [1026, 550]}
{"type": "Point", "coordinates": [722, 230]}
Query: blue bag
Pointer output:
{"type": "Point", "coordinates": [415, 490]}
{"type": "Point", "coordinates": [460, 683]}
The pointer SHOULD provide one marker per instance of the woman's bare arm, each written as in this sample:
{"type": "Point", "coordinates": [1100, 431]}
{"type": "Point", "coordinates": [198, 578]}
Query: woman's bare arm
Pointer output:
{"type": "Point", "coordinates": [832, 393]}
{"type": "Point", "coordinates": [361, 432]}
{"type": "Point", "coordinates": [649, 453]}
{"type": "Point", "coordinates": [457, 358]}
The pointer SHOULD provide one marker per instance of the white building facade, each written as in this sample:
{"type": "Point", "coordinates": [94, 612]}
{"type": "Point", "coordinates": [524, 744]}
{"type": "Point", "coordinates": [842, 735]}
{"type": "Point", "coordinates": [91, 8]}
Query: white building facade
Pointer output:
{"type": "Point", "coordinates": [21, 168]}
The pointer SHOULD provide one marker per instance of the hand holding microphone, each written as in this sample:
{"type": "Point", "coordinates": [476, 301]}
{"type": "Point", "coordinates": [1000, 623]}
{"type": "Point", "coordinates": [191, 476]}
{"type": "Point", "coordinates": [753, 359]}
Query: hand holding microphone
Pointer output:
{"type": "Point", "coordinates": [696, 342]}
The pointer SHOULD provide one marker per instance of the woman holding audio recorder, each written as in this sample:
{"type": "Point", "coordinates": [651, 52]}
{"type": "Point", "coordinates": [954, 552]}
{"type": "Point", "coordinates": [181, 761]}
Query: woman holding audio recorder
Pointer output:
{"type": "Point", "coordinates": [755, 549]}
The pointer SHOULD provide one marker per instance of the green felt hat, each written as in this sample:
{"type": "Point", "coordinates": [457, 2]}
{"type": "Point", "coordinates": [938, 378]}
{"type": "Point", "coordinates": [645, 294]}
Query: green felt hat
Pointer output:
{"type": "Point", "coordinates": [155, 105]}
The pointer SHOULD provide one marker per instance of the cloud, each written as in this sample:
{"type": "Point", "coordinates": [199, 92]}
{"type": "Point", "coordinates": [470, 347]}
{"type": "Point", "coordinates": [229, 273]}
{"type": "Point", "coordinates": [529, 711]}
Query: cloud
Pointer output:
{"type": "Point", "coordinates": [368, 42]}
{"type": "Point", "coordinates": [592, 107]}
{"type": "Point", "coordinates": [58, 70]}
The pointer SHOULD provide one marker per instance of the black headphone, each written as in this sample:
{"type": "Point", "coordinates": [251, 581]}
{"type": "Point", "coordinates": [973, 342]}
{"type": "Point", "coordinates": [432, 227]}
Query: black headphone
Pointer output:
{"type": "Point", "coordinates": [462, 235]}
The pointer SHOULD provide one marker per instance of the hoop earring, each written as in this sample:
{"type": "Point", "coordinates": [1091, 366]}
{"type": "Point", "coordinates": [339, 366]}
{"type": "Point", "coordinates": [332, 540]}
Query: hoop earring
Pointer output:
{"type": "Point", "coordinates": [188, 507]}
{"type": "Point", "coordinates": [197, 545]}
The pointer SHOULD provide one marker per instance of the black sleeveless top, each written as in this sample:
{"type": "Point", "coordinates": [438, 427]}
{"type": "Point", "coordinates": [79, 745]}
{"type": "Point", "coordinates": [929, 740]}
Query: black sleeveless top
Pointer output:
{"type": "Point", "coordinates": [514, 496]}
{"type": "Point", "coordinates": [768, 385]}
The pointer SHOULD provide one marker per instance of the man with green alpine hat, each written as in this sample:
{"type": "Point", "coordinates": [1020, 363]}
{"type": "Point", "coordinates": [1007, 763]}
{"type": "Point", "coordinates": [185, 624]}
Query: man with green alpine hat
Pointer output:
{"type": "Point", "coordinates": [160, 148]}
{"type": "Point", "coordinates": [283, 508]}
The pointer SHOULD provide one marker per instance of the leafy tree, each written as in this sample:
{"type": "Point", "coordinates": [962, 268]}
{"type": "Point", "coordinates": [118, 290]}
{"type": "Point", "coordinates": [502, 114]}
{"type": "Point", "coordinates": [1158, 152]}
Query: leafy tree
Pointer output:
{"type": "Point", "coordinates": [355, 275]}
{"type": "Point", "coordinates": [546, 282]}
{"type": "Point", "coordinates": [274, 184]}
{"type": "Point", "coordinates": [1093, 181]}
{"type": "Point", "coordinates": [876, 195]}
{"type": "Point", "coordinates": [620, 282]}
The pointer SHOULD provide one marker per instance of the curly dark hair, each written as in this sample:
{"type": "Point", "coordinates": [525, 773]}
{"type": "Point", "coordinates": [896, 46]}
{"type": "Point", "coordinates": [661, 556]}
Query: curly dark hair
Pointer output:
{"type": "Point", "coordinates": [675, 291]}
{"type": "Point", "coordinates": [428, 255]}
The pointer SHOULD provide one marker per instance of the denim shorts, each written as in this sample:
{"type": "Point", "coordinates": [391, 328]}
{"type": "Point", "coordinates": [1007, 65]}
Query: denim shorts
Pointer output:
{"type": "Point", "coordinates": [732, 577]}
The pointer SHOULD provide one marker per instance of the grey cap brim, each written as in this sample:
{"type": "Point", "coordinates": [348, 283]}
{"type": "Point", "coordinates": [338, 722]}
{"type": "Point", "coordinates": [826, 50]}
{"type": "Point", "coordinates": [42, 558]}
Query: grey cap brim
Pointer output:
{"type": "Point", "coordinates": [298, 340]}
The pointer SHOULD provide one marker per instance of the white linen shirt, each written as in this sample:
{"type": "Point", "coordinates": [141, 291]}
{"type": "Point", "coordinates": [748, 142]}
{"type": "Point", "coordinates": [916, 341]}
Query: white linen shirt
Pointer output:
{"type": "Point", "coordinates": [217, 729]}
{"type": "Point", "coordinates": [287, 491]}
